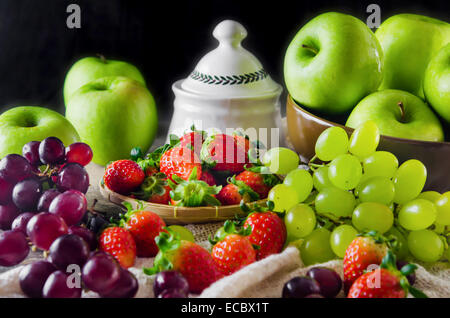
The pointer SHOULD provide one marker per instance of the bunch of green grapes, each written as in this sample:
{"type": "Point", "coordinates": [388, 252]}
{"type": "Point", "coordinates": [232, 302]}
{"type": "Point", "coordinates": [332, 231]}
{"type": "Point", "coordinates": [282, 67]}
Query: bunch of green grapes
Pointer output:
{"type": "Point", "coordinates": [355, 188]}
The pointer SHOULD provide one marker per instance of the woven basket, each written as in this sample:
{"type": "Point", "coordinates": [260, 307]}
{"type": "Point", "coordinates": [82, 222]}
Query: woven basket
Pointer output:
{"type": "Point", "coordinates": [175, 214]}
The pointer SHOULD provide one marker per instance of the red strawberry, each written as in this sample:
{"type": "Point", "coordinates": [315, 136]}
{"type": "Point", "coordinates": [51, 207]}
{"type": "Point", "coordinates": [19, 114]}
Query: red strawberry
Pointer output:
{"type": "Point", "coordinates": [229, 195]}
{"type": "Point", "coordinates": [193, 192]}
{"type": "Point", "coordinates": [208, 178]}
{"type": "Point", "coordinates": [119, 243]}
{"type": "Point", "coordinates": [155, 189]}
{"type": "Point", "coordinates": [191, 260]}
{"type": "Point", "coordinates": [268, 232]}
{"type": "Point", "coordinates": [260, 183]}
{"type": "Point", "coordinates": [385, 282]}
{"type": "Point", "coordinates": [232, 253]}
{"type": "Point", "coordinates": [235, 191]}
{"type": "Point", "coordinates": [225, 153]}
{"type": "Point", "coordinates": [180, 161]}
{"type": "Point", "coordinates": [193, 140]}
{"type": "Point", "coordinates": [144, 226]}
{"type": "Point", "coordinates": [123, 176]}
{"type": "Point", "coordinates": [363, 251]}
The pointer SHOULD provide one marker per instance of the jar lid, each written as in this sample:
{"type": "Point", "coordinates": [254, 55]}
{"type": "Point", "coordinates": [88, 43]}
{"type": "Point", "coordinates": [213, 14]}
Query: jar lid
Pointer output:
{"type": "Point", "coordinates": [229, 70]}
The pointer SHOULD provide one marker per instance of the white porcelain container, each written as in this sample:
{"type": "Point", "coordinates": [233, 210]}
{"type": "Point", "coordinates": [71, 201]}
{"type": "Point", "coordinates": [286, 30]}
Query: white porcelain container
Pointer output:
{"type": "Point", "coordinates": [228, 89]}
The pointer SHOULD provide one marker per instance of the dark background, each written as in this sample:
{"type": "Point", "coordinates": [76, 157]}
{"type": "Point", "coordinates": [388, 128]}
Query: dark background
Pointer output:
{"type": "Point", "coordinates": [164, 39]}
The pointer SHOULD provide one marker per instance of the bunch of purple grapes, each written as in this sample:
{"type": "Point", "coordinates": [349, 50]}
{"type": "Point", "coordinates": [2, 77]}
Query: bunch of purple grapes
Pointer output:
{"type": "Point", "coordinates": [70, 267]}
{"type": "Point", "coordinates": [42, 195]}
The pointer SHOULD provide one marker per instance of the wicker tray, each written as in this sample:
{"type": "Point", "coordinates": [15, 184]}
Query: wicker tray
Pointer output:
{"type": "Point", "coordinates": [178, 215]}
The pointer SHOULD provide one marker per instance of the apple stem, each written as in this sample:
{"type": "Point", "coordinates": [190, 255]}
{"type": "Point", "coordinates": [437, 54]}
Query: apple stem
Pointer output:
{"type": "Point", "coordinates": [315, 51]}
{"type": "Point", "coordinates": [101, 57]}
{"type": "Point", "coordinates": [402, 110]}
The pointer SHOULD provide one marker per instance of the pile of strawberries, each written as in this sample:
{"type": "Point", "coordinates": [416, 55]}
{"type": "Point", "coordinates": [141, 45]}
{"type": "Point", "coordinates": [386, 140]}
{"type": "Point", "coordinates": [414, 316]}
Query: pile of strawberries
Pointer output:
{"type": "Point", "coordinates": [194, 170]}
{"type": "Point", "coordinates": [237, 244]}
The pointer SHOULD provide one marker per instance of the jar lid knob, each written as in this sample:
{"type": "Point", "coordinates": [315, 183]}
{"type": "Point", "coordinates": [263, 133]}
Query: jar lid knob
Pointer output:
{"type": "Point", "coordinates": [230, 32]}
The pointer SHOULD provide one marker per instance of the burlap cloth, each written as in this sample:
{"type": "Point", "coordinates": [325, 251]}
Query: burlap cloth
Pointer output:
{"type": "Point", "coordinates": [261, 279]}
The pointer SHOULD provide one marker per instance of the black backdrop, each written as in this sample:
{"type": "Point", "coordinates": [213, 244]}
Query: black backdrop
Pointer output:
{"type": "Point", "coordinates": [163, 38]}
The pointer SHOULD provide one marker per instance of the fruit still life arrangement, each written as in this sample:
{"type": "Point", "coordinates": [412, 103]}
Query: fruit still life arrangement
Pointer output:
{"type": "Point", "coordinates": [352, 202]}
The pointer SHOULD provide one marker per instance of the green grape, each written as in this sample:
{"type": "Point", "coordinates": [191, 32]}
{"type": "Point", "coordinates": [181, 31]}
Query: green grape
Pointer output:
{"type": "Point", "coordinates": [380, 164]}
{"type": "Point", "coordinates": [336, 202]}
{"type": "Point", "coordinates": [316, 247]}
{"type": "Point", "coordinates": [443, 209]}
{"type": "Point", "coordinates": [320, 179]}
{"type": "Point", "coordinates": [281, 160]}
{"type": "Point", "coordinates": [341, 237]}
{"type": "Point", "coordinates": [425, 245]}
{"type": "Point", "coordinates": [417, 215]}
{"type": "Point", "coordinates": [400, 248]}
{"type": "Point", "coordinates": [364, 178]}
{"type": "Point", "coordinates": [283, 197]}
{"type": "Point", "coordinates": [345, 172]}
{"type": "Point", "coordinates": [377, 189]}
{"type": "Point", "coordinates": [432, 196]}
{"type": "Point", "coordinates": [409, 181]}
{"type": "Point", "coordinates": [331, 143]}
{"type": "Point", "coordinates": [302, 182]}
{"type": "Point", "coordinates": [185, 234]}
{"type": "Point", "coordinates": [364, 140]}
{"type": "Point", "coordinates": [300, 221]}
{"type": "Point", "coordinates": [374, 216]}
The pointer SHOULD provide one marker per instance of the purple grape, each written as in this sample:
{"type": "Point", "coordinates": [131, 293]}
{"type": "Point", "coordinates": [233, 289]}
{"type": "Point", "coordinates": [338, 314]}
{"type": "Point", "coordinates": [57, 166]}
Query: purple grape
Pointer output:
{"type": "Point", "coordinates": [70, 205]}
{"type": "Point", "coordinates": [31, 152]}
{"type": "Point", "coordinates": [20, 222]}
{"type": "Point", "coordinates": [101, 273]}
{"type": "Point", "coordinates": [314, 296]}
{"type": "Point", "coordinates": [52, 151]}
{"type": "Point", "coordinates": [57, 286]}
{"type": "Point", "coordinates": [126, 287]}
{"type": "Point", "coordinates": [68, 249]}
{"type": "Point", "coordinates": [33, 276]}
{"type": "Point", "coordinates": [79, 152]}
{"type": "Point", "coordinates": [411, 277]}
{"type": "Point", "coordinates": [73, 176]}
{"type": "Point", "coordinates": [6, 189]}
{"type": "Point", "coordinates": [173, 293]}
{"type": "Point", "coordinates": [7, 215]}
{"type": "Point", "coordinates": [170, 280]}
{"type": "Point", "coordinates": [13, 248]}
{"type": "Point", "coordinates": [44, 228]}
{"type": "Point", "coordinates": [15, 168]}
{"type": "Point", "coordinates": [26, 194]}
{"type": "Point", "coordinates": [47, 198]}
{"type": "Point", "coordinates": [300, 287]}
{"type": "Point", "coordinates": [85, 234]}
{"type": "Point", "coordinates": [329, 281]}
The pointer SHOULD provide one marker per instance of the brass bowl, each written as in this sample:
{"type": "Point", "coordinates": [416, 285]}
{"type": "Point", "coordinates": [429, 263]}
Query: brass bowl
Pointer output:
{"type": "Point", "coordinates": [304, 128]}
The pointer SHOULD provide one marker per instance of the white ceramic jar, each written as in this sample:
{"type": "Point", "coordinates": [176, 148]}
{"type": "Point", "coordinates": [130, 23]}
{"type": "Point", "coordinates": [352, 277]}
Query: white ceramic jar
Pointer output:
{"type": "Point", "coordinates": [228, 89]}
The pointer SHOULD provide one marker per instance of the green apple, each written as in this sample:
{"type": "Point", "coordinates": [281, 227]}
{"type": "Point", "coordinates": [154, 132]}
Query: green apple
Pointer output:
{"type": "Point", "coordinates": [398, 114]}
{"type": "Point", "coordinates": [92, 68]}
{"type": "Point", "coordinates": [20, 125]}
{"type": "Point", "coordinates": [436, 84]}
{"type": "Point", "coordinates": [409, 41]}
{"type": "Point", "coordinates": [113, 115]}
{"type": "Point", "coordinates": [332, 63]}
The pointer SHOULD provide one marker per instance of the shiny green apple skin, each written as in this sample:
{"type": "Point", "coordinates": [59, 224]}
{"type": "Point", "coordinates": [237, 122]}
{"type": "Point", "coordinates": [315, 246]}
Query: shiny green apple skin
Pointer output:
{"type": "Point", "coordinates": [23, 124]}
{"type": "Point", "coordinates": [409, 41]}
{"type": "Point", "coordinates": [113, 115]}
{"type": "Point", "coordinates": [91, 68]}
{"type": "Point", "coordinates": [382, 107]}
{"type": "Point", "coordinates": [436, 84]}
{"type": "Point", "coordinates": [347, 67]}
